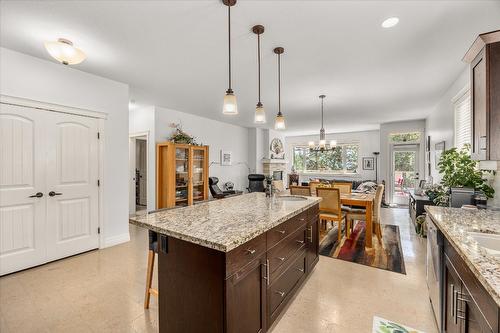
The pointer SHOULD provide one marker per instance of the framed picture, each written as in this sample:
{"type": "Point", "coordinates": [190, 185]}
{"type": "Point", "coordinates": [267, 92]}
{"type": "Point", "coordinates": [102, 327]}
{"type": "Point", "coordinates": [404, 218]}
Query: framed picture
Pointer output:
{"type": "Point", "coordinates": [438, 150]}
{"type": "Point", "coordinates": [226, 157]}
{"type": "Point", "coordinates": [368, 163]}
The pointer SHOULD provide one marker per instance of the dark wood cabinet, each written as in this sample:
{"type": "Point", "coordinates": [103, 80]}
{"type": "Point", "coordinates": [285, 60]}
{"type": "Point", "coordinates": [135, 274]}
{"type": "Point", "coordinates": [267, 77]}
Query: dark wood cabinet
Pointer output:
{"type": "Point", "coordinates": [243, 290]}
{"type": "Point", "coordinates": [484, 59]}
{"type": "Point", "coordinates": [246, 298]}
{"type": "Point", "coordinates": [468, 308]}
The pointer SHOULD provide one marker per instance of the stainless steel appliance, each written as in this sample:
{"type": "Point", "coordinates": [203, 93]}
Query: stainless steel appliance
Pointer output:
{"type": "Point", "coordinates": [434, 269]}
{"type": "Point", "coordinates": [461, 196]}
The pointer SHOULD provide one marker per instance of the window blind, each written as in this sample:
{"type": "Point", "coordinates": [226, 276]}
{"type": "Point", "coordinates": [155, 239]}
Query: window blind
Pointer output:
{"type": "Point", "coordinates": [463, 121]}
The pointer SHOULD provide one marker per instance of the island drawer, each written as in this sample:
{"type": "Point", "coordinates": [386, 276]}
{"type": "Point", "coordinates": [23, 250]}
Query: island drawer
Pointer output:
{"type": "Point", "coordinates": [285, 250]}
{"type": "Point", "coordinates": [280, 232]}
{"type": "Point", "coordinates": [282, 289]}
{"type": "Point", "coordinates": [244, 254]}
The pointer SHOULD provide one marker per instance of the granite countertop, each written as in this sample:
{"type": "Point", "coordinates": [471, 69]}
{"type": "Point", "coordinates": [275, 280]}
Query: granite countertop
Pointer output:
{"type": "Point", "coordinates": [224, 224]}
{"type": "Point", "coordinates": [455, 223]}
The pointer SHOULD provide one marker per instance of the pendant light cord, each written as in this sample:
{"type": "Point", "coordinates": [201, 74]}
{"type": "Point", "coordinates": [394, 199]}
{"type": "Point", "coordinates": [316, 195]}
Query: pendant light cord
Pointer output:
{"type": "Point", "coordinates": [229, 38]}
{"type": "Point", "coordinates": [258, 61]}
{"type": "Point", "coordinates": [279, 84]}
{"type": "Point", "coordinates": [322, 99]}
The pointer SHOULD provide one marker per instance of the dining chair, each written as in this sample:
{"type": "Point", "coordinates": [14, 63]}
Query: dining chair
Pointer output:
{"type": "Point", "coordinates": [360, 214]}
{"type": "Point", "coordinates": [153, 249]}
{"type": "Point", "coordinates": [313, 184]}
{"type": "Point", "coordinates": [300, 190]}
{"type": "Point", "coordinates": [345, 188]}
{"type": "Point", "coordinates": [330, 208]}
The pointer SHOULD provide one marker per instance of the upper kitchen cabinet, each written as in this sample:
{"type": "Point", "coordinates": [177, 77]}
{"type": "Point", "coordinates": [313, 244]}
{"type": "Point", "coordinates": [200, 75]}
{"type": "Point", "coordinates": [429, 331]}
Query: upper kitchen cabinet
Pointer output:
{"type": "Point", "coordinates": [484, 59]}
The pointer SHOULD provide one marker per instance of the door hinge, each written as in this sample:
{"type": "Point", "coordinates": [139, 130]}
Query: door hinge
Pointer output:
{"type": "Point", "coordinates": [98, 182]}
{"type": "Point", "coordinates": [98, 135]}
{"type": "Point", "coordinates": [98, 230]}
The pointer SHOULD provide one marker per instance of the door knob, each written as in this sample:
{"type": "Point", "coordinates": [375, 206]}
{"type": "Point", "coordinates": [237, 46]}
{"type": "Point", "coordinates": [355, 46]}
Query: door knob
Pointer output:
{"type": "Point", "coordinates": [52, 193]}
{"type": "Point", "coordinates": [37, 195]}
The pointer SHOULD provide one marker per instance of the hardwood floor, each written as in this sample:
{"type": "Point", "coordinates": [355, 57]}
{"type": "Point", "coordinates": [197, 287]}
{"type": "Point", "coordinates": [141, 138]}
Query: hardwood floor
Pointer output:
{"type": "Point", "coordinates": [103, 291]}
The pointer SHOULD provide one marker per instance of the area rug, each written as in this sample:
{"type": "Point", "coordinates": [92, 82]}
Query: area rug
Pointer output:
{"type": "Point", "coordinates": [381, 325]}
{"type": "Point", "coordinates": [388, 255]}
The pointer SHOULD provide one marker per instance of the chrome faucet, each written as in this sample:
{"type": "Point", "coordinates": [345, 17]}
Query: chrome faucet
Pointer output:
{"type": "Point", "coordinates": [270, 190]}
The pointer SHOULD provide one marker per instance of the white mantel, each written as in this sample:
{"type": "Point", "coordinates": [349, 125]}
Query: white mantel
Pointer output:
{"type": "Point", "coordinates": [269, 165]}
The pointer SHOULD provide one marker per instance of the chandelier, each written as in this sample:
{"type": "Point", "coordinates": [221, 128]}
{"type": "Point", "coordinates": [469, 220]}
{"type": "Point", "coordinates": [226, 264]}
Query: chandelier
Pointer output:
{"type": "Point", "coordinates": [322, 144]}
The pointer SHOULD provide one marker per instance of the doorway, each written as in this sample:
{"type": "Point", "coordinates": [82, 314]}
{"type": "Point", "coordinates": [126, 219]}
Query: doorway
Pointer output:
{"type": "Point", "coordinates": [404, 172]}
{"type": "Point", "coordinates": [138, 153]}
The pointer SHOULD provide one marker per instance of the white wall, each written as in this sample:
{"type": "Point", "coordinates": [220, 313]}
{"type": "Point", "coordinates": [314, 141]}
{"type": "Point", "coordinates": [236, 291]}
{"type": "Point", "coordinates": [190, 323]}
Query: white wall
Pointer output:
{"type": "Point", "coordinates": [33, 78]}
{"type": "Point", "coordinates": [142, 119]}
{"type": "Point", "coordinates": [385, 151]}
{"type": "Point", "coordinates": [217, 135]}
{"type": "Point", "coordinates": [369, 142]}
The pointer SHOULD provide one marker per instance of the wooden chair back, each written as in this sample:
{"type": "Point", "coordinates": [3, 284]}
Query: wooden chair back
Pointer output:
{"type": "Point", "coordinates": [377, 203]}
{"type": "Point", "coordinates": [300, 190]}
{"type": "Point", "coordinates": [345, 188]}
{"type": "Point", "coordinates": [312, 186]}
{"type": "Point", "coordinates": [331, 199]}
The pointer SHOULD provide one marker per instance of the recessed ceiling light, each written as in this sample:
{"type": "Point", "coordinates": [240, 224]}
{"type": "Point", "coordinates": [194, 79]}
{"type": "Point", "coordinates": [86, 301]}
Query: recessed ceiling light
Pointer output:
{"type": "Point", "coordinates": [390, 22]}
{"type": "Point", "coordinates": [63, 51]}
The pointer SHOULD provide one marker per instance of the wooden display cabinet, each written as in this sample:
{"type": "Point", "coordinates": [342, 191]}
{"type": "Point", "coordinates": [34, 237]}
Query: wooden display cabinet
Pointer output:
{"type": "Point", "coordinates": [181, 174]}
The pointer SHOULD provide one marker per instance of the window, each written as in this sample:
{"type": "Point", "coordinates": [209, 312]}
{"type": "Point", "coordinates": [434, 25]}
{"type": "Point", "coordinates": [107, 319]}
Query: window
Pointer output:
{"type": "Point", "coordinates": [405, 137]}
{"type": "Point", "coordinates": [342, 159]}
{"type": "Point", "coordinates": [463, 120]}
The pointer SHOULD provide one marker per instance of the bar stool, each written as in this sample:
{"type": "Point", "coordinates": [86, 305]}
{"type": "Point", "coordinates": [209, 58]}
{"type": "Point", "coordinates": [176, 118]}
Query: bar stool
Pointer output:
{"type": "Point", "coordinates": [153, 249]}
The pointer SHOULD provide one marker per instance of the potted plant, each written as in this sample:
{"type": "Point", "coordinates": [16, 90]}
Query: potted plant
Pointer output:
{"type": "Point", "coordinates": [458, 169]}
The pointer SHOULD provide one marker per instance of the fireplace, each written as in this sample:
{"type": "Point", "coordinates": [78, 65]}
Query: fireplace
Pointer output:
{"type": "Point", "coordinates": [278, 175]}
{"type": "Point", "coordinates": [273, 167]}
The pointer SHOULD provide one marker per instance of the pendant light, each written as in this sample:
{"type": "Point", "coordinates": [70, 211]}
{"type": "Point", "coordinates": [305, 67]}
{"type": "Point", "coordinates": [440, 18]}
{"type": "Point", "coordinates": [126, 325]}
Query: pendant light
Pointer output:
{"type": "Point", "coordinates": [279, 122]}
{"type": "Point", "coordinates": [230, 106]}
{"type": "Point", "coordinates": [260, 113]}
{"type": "Point", "coordinates": [322, 145]}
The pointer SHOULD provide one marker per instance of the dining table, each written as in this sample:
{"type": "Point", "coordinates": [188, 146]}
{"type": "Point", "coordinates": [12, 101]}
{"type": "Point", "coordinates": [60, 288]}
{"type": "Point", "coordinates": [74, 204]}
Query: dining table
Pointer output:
{"type": "Point", "coordinates": [365, 200]}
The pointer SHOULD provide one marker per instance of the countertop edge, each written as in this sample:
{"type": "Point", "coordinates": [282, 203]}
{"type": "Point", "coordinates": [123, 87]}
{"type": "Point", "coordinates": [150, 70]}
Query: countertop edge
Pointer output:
{"type": "Point", "coordinates": [475, 270]}
{"type": "Point", "coordinates": [222, 247]}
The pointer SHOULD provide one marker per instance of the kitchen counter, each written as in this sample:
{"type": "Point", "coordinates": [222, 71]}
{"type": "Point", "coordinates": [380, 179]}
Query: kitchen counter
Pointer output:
{"type": "Point", "coordinates": [224, 224]}
{"type": "Point", "coordinates": [455, 223]}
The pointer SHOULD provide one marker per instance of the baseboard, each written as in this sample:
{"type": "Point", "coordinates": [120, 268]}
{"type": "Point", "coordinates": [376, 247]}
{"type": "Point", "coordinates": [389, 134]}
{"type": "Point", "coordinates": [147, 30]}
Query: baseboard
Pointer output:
{"type": "Point", "coordinates": [115, 240]}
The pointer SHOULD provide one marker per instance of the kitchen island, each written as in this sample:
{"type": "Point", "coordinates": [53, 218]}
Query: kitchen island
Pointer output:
{"type": "Point", "coordinates": [470, 269]}
{"type": "Point", "coordinates": [232, 265]}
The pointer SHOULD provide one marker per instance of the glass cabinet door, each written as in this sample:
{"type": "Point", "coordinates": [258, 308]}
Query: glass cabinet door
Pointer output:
{"type": "Point", "coordinates": [198, 173]}
{"type": "Point", "coordinates": [181, 176]}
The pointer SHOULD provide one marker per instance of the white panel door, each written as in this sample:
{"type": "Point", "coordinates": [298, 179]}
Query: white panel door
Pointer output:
{"type": "Point", "coordinates": [72, 191]}
{"type": "Point", "coordinates": [22, 175]}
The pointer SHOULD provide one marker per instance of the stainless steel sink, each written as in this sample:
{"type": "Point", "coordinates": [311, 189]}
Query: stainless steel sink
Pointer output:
{"type": "Point", "coordinates": [489, 242]}
{"type": "Point", "coordinates": [291, 198]}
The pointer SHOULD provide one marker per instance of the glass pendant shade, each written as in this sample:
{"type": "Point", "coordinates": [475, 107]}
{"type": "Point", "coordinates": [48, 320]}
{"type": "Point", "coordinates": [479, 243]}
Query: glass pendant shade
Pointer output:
{"type": "Point", "coordinates": [279, 122]}
{"type": "Point", "coordinates": [230, 106]}
{"type": "Point", "coordinates": [322, 143]}
{"type": "Point", "coordinates": [333, 143]}
{"type": "Point", "coordinates": [311, 144]}
{"type": "Point", "coordinates": [63, 51]}
{"type": "Point", "coordinates": [260, 115]}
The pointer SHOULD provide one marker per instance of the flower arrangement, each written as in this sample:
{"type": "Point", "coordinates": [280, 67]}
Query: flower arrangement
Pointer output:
{"type": "Point", "coordinates": [180, 136]}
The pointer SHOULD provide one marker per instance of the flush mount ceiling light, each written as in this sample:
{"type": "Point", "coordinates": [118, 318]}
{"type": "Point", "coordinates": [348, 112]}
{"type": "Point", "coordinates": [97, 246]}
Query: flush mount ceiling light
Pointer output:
{"type": "Point", "coordinates": [260, 113]}
{"type": "Point", "coordinates": [279, 122]}
{"type": "Point", "coordinates": [390, 22]}
{"type": "Point", "coordinates": [230, 106]}
{"type": "Point", "coordinates": [322, 145]}
{"type": "Point", "coordinates": [63, 51]}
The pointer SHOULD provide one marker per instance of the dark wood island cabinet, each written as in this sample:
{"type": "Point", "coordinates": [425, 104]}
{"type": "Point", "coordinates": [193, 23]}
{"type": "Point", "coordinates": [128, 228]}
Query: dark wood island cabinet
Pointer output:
{"type": "Point", "coordinates": [243, 289]}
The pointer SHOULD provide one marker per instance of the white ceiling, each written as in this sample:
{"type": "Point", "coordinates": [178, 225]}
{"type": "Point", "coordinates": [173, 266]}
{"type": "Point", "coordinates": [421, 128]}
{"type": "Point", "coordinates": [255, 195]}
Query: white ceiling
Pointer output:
{"type": "Point", "coordinates": [174, 53]}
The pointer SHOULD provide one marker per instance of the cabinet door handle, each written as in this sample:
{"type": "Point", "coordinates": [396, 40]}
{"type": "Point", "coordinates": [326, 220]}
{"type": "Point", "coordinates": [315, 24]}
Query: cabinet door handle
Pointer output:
{"type": "Point", "coordinates": [52, 194]}
{"type": "Point", "coordinates": [250, 251]}
{"type": "Point", "coordinates": [302, 219]}
{"type": "Point", "coordinates": [281, 293]}
{"type": "Point", "coordinates": [300, 270]}
{"type": "Point", "coordinates": [281, 258]}
{"type": "Point", "coordinates": [310, 233]}
{"type": "Point", "coordinates": [267, 272]}
{"type": "Point", "coordinates": [37, 195]}
{"type": "Point", "coordinates": [452, 292]}
{"type": "Point", "coordinates": [281, 231]}
{"type": "Point", "coordinates": [300, 242]}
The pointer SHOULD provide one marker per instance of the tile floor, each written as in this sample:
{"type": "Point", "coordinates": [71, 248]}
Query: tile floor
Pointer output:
{"type": "Point", "coordinates": [102, 291]}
